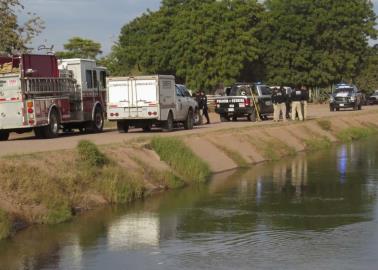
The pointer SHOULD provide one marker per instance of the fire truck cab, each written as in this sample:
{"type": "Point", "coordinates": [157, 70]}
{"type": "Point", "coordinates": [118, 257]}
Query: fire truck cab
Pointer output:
{"type": "Point", "coordinates": [39, 93]}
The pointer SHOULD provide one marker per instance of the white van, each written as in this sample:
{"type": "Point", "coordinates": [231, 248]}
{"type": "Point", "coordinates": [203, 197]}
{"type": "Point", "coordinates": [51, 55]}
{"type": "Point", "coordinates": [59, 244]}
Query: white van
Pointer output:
{"type": "Point", "coordinates": [144, 101]}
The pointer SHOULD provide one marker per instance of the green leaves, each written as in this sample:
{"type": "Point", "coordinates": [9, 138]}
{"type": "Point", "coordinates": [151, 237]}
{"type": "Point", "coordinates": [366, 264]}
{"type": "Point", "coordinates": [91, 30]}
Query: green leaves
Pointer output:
{"type": "Point", "coordinates": [204, 43]}
{"type": "Point", "coordinates": [78, 47]}
{"type": "Point", "coordinates": [316, 43]}
{"type": "Point", "coordinates": [13, 36]}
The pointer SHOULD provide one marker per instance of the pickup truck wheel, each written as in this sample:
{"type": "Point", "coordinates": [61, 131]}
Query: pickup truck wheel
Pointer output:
{"type": "Point", "coordinates": [122, 126]}
{"type": "Point", "coordinates": [224, 118]}
{"type": "Point", "coordinates": [52, 129]}
{"type": "Point", "coordinates": [235, 119]}
{"type": "Point", "coordinates": [359, 107]}
{"type": "Point", "coordinates": [4, 136]}
{"type": "Point", "coordinates": [168, 125]}
{"type": "Point", "coordinates": [188, 124]}
{"type": "Point", "coordinates": [252, 117]}
{"type": "Point", "coordinates": [337, 109]}
{"type": "Point", "coordinates": [332, 109]}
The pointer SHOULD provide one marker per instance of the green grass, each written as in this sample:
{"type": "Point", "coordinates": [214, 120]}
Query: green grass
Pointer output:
{"type": "Point", "coordinates": [90, 154]}
{"type": "Point", "coordinates": [5, 225]}
{"type": "Point", "coordinates": [356, 133]}
{"type": "Point", "coordinates": [181, 159]}
{"type": "Point", "coordinates": [316, 144]}
{"type": "Point", "coordinates": [234, 155]}
{"type": "Point", "coordinates": [325, 124]}
{"type": "Point", "coordinates": [164, 178]}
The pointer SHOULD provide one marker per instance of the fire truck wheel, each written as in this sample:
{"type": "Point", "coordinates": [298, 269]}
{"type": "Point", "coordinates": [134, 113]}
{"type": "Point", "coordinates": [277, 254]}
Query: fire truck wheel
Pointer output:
{"type": "Point", "coordinates": [168, 125]}
{"type": "Point", "coordinates": [39, 133]}
{"type": "Point", "coordinates": [98, 120]}
{"type": "Point", "coordinates": [52, 129]}
{"type": "Point", "coordinates": [4, 136]}
{"type": "Point", "coordinates": [122, 126]}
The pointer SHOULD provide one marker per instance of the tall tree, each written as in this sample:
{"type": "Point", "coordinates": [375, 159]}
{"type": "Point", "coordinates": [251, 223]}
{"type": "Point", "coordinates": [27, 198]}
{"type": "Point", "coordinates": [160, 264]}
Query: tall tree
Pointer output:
{"type": "Point", "coordinates": [367, 80]}
{"type": "Point", "coordinates": [80, 48]}
{"type": "Point", "coordinates": [316, 42]}
{"type": "Point", "coordinates": [204, 43]}
{"type": "Point", "coordinates": [13, 36]}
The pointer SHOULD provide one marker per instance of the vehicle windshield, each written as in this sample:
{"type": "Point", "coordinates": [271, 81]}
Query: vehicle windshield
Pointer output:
{"type": "Point", "coordinates": [240, 90]}
{"type": "Point", "coordinates": [344, 90]}
{"type": "Point", "coordinates": [265, 90]}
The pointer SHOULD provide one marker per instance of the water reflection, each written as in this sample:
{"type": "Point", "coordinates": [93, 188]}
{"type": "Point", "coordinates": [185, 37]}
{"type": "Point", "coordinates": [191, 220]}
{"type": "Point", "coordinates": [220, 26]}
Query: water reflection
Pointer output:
{"type": "Point", "coordinates": [237, 219]}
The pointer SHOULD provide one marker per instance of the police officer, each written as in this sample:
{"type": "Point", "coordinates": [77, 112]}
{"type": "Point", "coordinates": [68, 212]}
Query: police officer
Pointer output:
{"type": "Point", "coordinates": [304, 101]}
{"type": "Point", "coordinates": [204, 106]}
{"type": "Point", "coordinates": [296, 98]}
{"type": "Point", "coordinates": [279, 106]}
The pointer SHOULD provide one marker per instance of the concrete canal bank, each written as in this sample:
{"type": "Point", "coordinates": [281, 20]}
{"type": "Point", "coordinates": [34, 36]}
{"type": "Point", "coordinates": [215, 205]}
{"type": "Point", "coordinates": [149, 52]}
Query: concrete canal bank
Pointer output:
{"type": "Point", "coordinates": [52, 187]}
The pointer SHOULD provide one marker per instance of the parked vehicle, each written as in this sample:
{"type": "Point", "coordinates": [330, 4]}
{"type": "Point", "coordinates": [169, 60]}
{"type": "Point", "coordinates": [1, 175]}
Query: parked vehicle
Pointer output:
{"type": "Point", "coordinates": [146, 101]}
{"type": "Point", "coordinates": [245, 100]}
{"type": "Point", "coordinates": [373, 99]}
{"type": "Point", "coordinates": [36, 95]}
{"type": "Point", "coordinates": [345, 96]}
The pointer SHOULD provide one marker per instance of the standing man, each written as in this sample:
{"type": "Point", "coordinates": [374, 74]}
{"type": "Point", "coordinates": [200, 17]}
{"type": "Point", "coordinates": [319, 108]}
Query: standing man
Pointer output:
{"type": "Point", "coordinates": [296, 98]}
{"type": "Point", "coordinates": [200, 107]}
{"type": "Point", "coordinates": [203, 98]}
{"type": "Point", "coordinates": [304, 101]}
{"type": "Point", "coordinates": [279, 106]}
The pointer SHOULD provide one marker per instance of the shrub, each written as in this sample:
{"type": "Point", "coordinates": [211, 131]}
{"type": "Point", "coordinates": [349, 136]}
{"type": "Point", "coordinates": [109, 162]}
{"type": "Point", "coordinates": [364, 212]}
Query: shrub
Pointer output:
{"type": "Point", "coordinates": [181, 159]}
{"type": "Point", "coordinates": [325, 124]}
{"type": "Point", "coordinates": [89, 154]}
{"type": "Point", "coordinates": [355, 133]}
{"type": "Point", "coordinates": [5, 225]}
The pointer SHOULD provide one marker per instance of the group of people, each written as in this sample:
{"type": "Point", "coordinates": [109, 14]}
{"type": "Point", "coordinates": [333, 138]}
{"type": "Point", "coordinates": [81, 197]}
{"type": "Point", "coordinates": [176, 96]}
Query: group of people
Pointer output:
{"type": "Point", "coordinates": [203, 110]}
{"type": "Point", "coordinates": [285, 100]}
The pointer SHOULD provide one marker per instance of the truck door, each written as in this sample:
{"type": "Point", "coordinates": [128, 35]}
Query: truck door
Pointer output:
{"type": "Point", "coordinates": [180, 104]}
{"type": "Point", "coordinates": [146, 97]}
{"type": "Point", "coordinates": [11, 105]}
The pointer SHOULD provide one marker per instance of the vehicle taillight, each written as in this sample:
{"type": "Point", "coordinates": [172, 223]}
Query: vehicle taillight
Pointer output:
{"type": "Point", "coordinates": [247, 102]}
{"type": "Point", "coordinates": [155, 113]}
{"type": "Point", "coordinates": [30, 110]}
{"type": "Point", "coordinates": [29, 104]}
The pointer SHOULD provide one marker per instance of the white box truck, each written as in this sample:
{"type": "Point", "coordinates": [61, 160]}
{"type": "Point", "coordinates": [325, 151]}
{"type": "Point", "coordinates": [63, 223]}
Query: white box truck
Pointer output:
{"type": "Point", "coordinates": [146, 101]}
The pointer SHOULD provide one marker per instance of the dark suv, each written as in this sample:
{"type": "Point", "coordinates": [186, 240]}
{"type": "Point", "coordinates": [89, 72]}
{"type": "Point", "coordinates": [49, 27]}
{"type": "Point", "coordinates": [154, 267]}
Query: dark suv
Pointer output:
{"type": "Point", "coordinates": [345, 96]}
{"type": "Point", "coordinates": [250, 100]}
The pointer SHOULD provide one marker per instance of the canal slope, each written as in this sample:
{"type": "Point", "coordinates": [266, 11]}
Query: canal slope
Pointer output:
{"type": "Point", "coordinates": [51, 187]}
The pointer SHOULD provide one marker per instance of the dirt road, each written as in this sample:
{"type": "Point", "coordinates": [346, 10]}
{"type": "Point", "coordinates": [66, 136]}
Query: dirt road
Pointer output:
{"type": "Point", "coordinates": [26, 143]}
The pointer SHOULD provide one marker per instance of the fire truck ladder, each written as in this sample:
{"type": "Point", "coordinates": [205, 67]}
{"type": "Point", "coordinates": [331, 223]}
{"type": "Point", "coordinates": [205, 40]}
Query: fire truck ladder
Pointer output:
{"type": "Point", "coordinates": [49, 86]}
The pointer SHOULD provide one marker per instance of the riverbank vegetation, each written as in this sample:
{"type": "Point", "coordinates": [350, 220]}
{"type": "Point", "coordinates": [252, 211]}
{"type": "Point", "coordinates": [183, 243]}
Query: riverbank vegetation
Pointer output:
{"type": "Point", "coordinates": [50, 188]}
{"type": "Point", "coordinates": [181, 159]}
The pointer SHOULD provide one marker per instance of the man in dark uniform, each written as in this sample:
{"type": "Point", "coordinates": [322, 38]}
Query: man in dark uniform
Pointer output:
{"type": "Point", "coordinates": [304, 101]}
{"type": "Point", "coordinates": [278, 99]}
{"type": "Point", "coordinates": [203, 100]}
{"type": "Point", "coordinates": [296, 98]}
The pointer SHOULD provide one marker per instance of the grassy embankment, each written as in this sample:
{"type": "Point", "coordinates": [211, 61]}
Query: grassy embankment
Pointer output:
{"type": "Point", "coordinates": [49, 188]}
{"type": "Point", "coordinates": [54, 191]}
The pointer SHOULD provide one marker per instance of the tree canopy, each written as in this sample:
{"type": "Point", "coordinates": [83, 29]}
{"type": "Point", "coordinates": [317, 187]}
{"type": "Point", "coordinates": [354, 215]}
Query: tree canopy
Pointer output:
{"type": "Point", "coordinates": [13, 36]}
{"type": "Point", "coordinates": [204, 43]}
{"type": "Point", "coordinates": [316, 43]}
{"type": "Point", "coordinates": [78, 47]}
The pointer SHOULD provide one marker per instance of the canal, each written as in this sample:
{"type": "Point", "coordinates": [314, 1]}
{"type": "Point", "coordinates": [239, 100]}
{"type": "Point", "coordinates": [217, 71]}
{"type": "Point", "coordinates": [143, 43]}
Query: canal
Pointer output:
{"type": "Point", "coordinates": [314, 211]}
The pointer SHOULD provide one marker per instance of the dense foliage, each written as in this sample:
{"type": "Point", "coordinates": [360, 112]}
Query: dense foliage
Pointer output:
{"type": "Point", "coordinates": [214, 42]}
{"type": "Point", "coordinates": [316, 43]}
{"type": "Point", "coordinates": [78, 47]}
{"type": "Point", "coordinates": [13, 36]}
{"type": "Point", "coordinates": [204, 43]}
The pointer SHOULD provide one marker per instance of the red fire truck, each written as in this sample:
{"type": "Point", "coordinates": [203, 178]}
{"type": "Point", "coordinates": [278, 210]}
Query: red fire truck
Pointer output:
{"type": "Point", "coordinates": [40, 93]}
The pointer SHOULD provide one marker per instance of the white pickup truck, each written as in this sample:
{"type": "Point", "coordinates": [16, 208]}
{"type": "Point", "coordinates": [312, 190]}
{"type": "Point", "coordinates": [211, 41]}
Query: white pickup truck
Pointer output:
{"type": "Point", "coordinates": [146, 101]}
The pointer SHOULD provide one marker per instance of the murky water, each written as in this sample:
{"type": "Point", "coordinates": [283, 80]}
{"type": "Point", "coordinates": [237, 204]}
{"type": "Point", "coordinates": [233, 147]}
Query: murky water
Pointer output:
{"type": "Point", "coordinates": [318, 211]}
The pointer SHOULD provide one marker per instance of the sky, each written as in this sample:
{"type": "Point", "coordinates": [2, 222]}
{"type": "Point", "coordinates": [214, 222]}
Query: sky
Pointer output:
{"type": "Point", "coordinates": [99, 20]}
